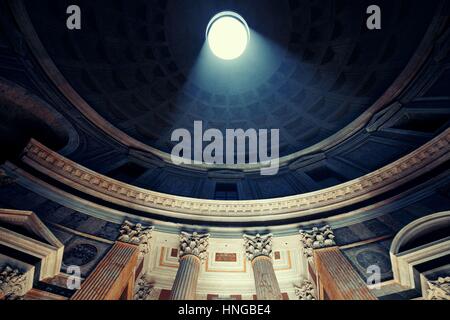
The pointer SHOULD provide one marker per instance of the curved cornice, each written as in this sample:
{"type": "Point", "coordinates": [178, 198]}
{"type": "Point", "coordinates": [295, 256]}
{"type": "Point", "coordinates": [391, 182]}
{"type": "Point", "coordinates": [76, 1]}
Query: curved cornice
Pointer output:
{"type": "Point", "coordinates": [419, 228]}
{"type": "Point", "coordinates": [74, 202]}
{"type": "Point", "coordinates": [392, 176]}
{"type": "Point", "coordinates": [49, 67]}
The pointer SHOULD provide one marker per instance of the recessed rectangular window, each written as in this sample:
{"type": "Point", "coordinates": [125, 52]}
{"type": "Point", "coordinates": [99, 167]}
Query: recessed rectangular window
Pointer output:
{"type": "Point", "coordinates": [226, 191]}
{"type": "Point", "coordinates": [128, 172]}
{"type": "Point", "coordinates": [174, 253]}
{"type": "Point", "coordinates": [325, 176]}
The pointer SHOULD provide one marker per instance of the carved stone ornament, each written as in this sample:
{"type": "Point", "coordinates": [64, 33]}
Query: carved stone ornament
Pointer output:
{"type": "Point", "coordinates": [143, 289]}
{"type": "Point", "coordinates": [136, 234]}
{"type": "Point", "coordinates": [387, 178]}
{"type": "Point", "coordinates": [194, 244]}
{"type": "Point", "coordinates": [439, 289]}
{"type": "Point", "coordinates": [12, 283]}
{"type": "Point", "coordinates": [259, 245]}
{"type": "Point", "coordinates": [305, 291]}
{"type": "Point", "coordinates": [316, 238]}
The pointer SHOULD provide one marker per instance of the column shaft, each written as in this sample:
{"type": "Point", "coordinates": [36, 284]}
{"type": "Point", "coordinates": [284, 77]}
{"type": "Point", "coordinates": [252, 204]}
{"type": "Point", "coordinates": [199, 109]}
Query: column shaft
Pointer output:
{"type": "Point", "coordinates": [185, 285]}
{"type": "Point", "coordinates": [112, 275]}
{"type": "Point", "coordinates": [267, 287]}
{"type": "Point", "coordinates": [338, 278]}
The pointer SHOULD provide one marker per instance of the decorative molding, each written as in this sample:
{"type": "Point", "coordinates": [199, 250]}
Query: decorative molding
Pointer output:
{"type": "Point", "coordinates": [194, 244]}
{"type": "Point", "coordinates": [259, 245]}
{"type": "Point", "coordinates": [417, 228]}
{"type": "Point", "coordinates": [79, 233]}
{"type": "Point", "coordinates": [12, 283]}
{"type": "Point", "coordinates": [316, 238]}
{"type": "Point", "coordinates": [378, 182]}
{"type": "Point", "coordinates": [400, 200]}
{"type": "Point", "coordinates": [49, 250]}
{"type": "Point", "coordinates": [403, 261]}
{"type": "Point", "coordinates": [136, 233]}
{"type": "Point", "coordinates": [305, 291]}
{"type": "Point", "coordinates": [403, 264]}
{"type": "Point", "coordinates": [439, 289]}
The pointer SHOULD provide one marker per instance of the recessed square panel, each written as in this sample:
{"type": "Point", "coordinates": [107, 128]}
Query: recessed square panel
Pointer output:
{"type": "Point", "coordinates": [226, 257]}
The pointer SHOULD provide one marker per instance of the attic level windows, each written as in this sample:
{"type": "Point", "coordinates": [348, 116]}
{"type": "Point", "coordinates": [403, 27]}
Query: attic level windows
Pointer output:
{"type": "Point", "coordinates": [226, 191]}
{"type": "Point", "coordinates": [128, 172]}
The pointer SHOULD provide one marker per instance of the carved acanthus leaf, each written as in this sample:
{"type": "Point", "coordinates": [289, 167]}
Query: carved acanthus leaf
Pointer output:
{"type": "Point", "coordinates": [316, 238]}
{"type": "Point", "coordinates": [439, 289]}
{"type": "Point", "coordinates": [259, 245]}
{"type": "Point", "coordinates": [12, 283]}
{"type": "Point", "coordinates": [194, 244]}
{"type": "Point", "coordinates": [136, 233]}
{"type": "Point", "coordinates": [143, 289]}
{"type": "Point", "coordinates": [305, 291]}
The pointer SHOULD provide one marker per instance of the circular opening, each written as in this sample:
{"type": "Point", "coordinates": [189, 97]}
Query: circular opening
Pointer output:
{"type": "Point", "coordinates": [227, 35]}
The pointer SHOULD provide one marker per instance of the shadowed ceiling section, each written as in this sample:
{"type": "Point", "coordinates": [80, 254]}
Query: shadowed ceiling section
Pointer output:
{"type": "Point", "coordinates": [133, 62]}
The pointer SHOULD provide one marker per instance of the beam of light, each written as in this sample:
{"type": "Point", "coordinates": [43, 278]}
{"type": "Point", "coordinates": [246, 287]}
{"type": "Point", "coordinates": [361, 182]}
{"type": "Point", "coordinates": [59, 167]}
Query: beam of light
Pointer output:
{"type": "Point", "coordinates": [250, 76]}
{"type": "Point", "coordinates": [227, 35]}
{"type": "Point", "coordinates": [254, 67]}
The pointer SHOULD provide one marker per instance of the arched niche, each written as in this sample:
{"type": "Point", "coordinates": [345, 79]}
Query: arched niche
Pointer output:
{"type": "Point", "coordinates": [421, 241]}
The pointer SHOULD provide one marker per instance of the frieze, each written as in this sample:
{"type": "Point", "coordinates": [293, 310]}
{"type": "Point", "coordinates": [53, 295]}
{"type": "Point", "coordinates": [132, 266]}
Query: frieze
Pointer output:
{"type": "Point", "coordinates": [430, 155]}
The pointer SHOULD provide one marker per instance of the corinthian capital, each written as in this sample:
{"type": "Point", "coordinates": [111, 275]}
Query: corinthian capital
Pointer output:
{"type": "Point", "coordinates": [143, 288]}
{"type": "Point", "coordinates": [136, 234]}
{"type": "Point", "coordinates": [194, 244]}
{"type": "Point", "coordinates": [258, 245]}
{"type": "Point", "coordinates": [439, 289]}
{"type": "Point", "coordinates": [305, 291]}
{"type": "Point", "coordinates": [316, 238]}
{"type": "Point", "coordinates": [12, 283]}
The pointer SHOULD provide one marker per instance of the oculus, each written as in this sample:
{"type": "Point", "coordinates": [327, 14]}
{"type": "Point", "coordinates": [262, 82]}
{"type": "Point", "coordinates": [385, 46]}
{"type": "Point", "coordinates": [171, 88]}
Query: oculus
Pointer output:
{"type": "Point", "coordinates": [227, 35]}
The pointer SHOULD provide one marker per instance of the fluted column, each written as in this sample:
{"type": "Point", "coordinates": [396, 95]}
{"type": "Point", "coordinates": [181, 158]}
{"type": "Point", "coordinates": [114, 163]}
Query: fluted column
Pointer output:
{"type": "Point", "coordinates": [192, 253]}
{"type": "Point", "coordinates": [113, 277]}
{"type": "Point", "coordinates": [139, 235]}
{"type": "Point", "coordinates": [335, 277]}
{"type": "Point", "coordinates": [258, 250]}
{"type": "Point", "coordinates": [185, 285]}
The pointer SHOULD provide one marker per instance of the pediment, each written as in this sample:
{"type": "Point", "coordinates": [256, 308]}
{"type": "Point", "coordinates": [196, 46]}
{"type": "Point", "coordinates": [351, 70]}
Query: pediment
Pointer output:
{"type": "Point", "coordinates": [28, 224]}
